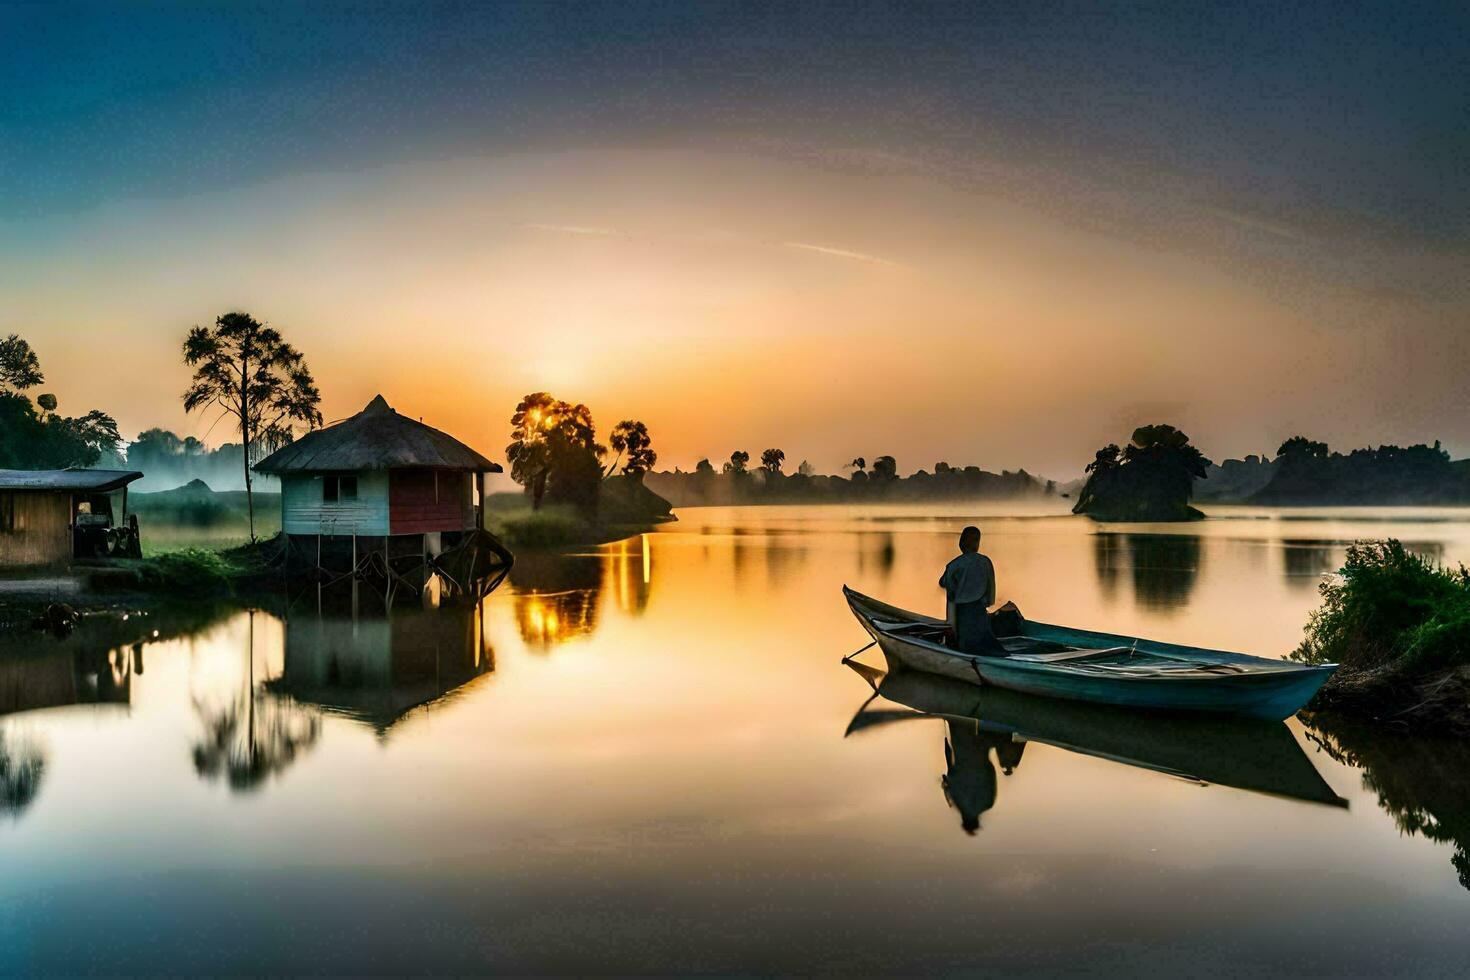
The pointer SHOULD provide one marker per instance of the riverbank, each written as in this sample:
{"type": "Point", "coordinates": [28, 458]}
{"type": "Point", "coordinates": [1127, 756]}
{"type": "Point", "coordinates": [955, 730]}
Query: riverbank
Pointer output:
{"type": "Point", "coordinates": [1398, 626]}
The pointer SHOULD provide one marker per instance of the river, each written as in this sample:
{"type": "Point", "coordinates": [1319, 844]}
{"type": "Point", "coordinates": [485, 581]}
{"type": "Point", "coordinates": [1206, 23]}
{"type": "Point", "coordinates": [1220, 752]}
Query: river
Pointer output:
{"type": "Point", "coordinates": [639, 759]}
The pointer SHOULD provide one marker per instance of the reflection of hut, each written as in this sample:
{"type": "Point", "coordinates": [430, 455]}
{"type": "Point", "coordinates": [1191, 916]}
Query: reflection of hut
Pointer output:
{"type": "Point", "coordinates": [384, 488]}
{"type": "Point", "coordinates": [49, 517]}
{"type": "Point", "coordinates": [30, 681]}
{"type": "Point", "coordinates": [378, 670]}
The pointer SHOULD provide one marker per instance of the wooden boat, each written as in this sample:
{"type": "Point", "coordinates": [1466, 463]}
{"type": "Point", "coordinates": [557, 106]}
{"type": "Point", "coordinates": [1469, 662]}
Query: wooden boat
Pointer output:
{"type": "Point", "coordinates": [1082, 665]}
{"type": "Point", "coordinates": [1244, 753]}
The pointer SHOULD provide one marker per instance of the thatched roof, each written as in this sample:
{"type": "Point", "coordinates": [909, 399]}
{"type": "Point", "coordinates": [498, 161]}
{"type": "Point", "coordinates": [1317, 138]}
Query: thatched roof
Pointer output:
{"type": "Point", "coordinates": [376, 438]}
{"type": "Point", "coordinates": [68, 480]}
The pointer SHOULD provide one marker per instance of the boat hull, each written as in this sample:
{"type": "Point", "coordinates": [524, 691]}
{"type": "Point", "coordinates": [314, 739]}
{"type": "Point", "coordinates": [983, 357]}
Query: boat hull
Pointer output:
{"type": "Point", "coordinates": [1261, 689]}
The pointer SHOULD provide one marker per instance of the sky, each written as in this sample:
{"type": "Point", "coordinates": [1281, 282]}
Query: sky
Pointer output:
{"type": "Point", "coordinates": [1000, 235]}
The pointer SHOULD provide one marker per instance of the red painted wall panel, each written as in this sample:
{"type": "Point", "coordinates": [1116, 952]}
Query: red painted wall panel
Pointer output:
{"type": "Point", "coordinates": [428, 500]}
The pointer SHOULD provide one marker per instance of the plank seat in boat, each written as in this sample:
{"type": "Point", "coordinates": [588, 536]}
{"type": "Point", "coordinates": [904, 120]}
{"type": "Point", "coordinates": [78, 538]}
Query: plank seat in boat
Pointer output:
{"type": "Point", "coordinates": [1063, 655]}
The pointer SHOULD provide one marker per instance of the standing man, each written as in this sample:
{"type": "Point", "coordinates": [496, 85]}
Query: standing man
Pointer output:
{"type": "Point", "coordinates": [969, 586]}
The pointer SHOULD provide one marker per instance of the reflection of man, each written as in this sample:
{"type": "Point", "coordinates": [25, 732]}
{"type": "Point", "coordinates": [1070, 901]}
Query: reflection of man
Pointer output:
{"type": "Point", "coordinates": [969, 782]}
{"type": "Point", "coordinates": [969, 586]}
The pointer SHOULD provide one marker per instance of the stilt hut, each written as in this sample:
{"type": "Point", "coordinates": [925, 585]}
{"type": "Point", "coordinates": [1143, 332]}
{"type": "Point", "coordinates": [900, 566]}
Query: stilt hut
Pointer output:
{"type": "Point", "coordinates": [50, 517]}
{"type": "Point", "coordinates": [385, 494]}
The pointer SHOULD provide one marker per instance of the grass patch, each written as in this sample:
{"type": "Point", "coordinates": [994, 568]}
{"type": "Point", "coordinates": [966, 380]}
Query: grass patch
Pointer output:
{"type": "Point", "coordinates": [188, 572]}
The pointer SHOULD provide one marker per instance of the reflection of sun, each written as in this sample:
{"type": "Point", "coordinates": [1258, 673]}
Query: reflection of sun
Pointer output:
{"type": "Point", "coordinates": [544, 622]}
{"type": "Point", "coordinates": [547, 619]}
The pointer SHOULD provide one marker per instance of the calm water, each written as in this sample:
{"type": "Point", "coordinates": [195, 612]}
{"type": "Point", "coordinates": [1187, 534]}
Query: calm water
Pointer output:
{"type": "Point", "coordinates": [635, 760]}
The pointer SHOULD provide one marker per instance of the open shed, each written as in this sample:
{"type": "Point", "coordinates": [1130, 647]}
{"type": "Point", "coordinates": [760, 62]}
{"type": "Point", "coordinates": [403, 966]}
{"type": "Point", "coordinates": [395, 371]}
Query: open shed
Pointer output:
{"type": "Point", "coordinates": [50, 517]}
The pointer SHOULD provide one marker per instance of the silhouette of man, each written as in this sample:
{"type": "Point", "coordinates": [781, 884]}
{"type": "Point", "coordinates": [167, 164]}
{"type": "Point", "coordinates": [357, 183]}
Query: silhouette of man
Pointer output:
{"type": "Point", "coordinates": [969, 780]}
{"type": "Point", "coordinates": [969, 586]}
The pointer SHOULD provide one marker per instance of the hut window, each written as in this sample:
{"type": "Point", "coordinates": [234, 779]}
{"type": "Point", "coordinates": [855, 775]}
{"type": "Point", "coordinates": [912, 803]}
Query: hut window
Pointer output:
{"type": "Point", "coordinates": [335, 488]}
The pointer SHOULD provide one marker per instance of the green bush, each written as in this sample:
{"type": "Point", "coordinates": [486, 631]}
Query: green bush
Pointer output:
{"type": "Point", "coordinates": [1390, 608]}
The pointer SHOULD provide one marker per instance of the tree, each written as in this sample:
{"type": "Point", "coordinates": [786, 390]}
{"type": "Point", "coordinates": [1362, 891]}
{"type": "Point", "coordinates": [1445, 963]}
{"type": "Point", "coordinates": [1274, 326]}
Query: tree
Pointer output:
{"type": "Point", "coordinates": [1300, 447]}
{"type": "Point", "coordinates": [19, 367]}
{"type": "Point", "coordinates": [942, 469]}
{"type": "Point", "coordinates": [772, 460]}
{"type": "Point", "coordinates": [248, 371]}
{"type": "Point", "coordinates": [632, 437]}
{"type": "Point", "coordinates": [704, 468]}
{"type": "Point", "coordinates": [551, 441]}
{"type": "Point", "coordinates": [1151, 479]}
{"type": "Point", "coordinates": [806, 469]}
{"type": "Point", "coordinates": [885, 468]}
{"type": "Point", "coordinates": [859, 464]}
{"type": "Point", "coordinates": [739, 460]}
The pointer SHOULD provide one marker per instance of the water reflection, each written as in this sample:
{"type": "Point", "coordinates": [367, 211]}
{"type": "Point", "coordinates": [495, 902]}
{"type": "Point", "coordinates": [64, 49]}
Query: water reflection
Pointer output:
{"type": "Point", "coordinates": [556, 597]}
{"type": "Point", "coordinates": [969, 779]}
{"type": "Point", "coordinates": [880, 558]}
{"type": "Point", "coordinates": [66, 672]}
{"type": "Point", "coordinates": [250, 733]}
{"type": "Point", "coordinates": [1305, 562]}
{"type": "Point", "coordinates": [377, 669]}
{"type": "Point", "coordinates": [1420, 782]}
{"type": "Point", "coordinates": [22, 764]}
{"type": "Point", "coordinates": [1163, 567]}
{"type": "Point", "coordinates": [249, 739]}
{"type": "Point", "coordinates": [632, 573]}
{"type": "Point", "coordinates": [1259, 756]}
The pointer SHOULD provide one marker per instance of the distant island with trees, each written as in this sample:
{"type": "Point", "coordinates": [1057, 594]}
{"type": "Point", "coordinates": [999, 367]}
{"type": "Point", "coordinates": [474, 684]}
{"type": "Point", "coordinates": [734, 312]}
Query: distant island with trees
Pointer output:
{"type": "Point", "coordinates": [1159, 472]}
{"type": "Point", "coordinates": [737, 482]}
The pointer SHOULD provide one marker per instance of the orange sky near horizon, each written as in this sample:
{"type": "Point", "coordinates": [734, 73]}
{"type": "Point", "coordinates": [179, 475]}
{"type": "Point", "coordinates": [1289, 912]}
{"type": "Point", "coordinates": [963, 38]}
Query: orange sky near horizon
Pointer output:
{"type": "Point", "coordinates": [738, 300]}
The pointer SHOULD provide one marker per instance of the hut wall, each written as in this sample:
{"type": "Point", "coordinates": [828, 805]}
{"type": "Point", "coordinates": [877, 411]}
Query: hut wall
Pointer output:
{"type": "Point", "coordinates": [35, 528]}
{"type": "Point", "coordinates": [304, 512]}
{"type": "Point", "coordinates": [421, 501]}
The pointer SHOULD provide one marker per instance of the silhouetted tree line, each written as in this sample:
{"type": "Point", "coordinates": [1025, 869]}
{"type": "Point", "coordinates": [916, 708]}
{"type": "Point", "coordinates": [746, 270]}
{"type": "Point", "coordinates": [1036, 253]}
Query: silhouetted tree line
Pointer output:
{"type": "Point", "coordinates": [736, 483]}
{"type": "Point", "coordinates": [1307, 472]}
{"type": "Point", "coordinates": [1156, 475]}
{"type": "Point", "coordinates": [33, 435]}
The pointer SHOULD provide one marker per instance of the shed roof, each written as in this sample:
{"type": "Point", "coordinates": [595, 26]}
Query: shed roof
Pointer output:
{"type": "Point", "coordinates": [68, 480]}
{"type": "Point", "coordinates": [376, 438]}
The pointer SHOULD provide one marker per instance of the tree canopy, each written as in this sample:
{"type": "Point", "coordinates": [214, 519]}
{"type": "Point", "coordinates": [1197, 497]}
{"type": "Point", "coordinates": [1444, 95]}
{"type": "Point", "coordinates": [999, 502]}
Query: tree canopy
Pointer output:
{"type": "Point", "coordinates": [631, 437]}
{"type": "Point", "coordinates": [554, 450]}
{"type": "Point", "coordinates": [247, 370]}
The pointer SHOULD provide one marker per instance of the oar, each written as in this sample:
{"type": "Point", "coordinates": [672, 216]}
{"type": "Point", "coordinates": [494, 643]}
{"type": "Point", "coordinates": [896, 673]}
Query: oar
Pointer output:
{"type": "Point", "coordinates": [858, 651]}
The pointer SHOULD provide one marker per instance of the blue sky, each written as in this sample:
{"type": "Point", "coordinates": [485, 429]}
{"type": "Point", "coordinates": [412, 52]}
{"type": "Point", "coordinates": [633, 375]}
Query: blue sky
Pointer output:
{"type": "Point", "coordinates": [1263, 170]}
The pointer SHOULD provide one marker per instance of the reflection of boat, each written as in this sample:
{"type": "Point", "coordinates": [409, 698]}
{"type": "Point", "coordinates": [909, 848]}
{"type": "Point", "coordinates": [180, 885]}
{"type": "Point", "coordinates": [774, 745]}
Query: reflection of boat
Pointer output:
{"type": "Point", "coordinates": [1245, 753]}
{"type": "Point", "coordinates": [1061, 662]}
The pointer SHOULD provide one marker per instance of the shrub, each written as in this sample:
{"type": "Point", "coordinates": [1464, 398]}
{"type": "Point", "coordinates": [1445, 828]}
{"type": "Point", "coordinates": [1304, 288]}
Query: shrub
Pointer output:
{"type": "Point", "coordinates": [1390, 608]}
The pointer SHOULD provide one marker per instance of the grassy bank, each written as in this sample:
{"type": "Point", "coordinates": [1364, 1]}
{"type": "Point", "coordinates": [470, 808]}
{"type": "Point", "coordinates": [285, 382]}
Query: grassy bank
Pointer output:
{"type": "Point", "coordinates": [625, 507]}
{"type": "Point", "coordinates": [1399, 627]}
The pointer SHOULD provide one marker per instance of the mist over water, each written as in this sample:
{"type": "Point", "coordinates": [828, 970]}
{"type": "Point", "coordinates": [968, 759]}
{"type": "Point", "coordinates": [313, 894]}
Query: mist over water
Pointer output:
{"type": "Point", "coordinates": [637, 758]}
